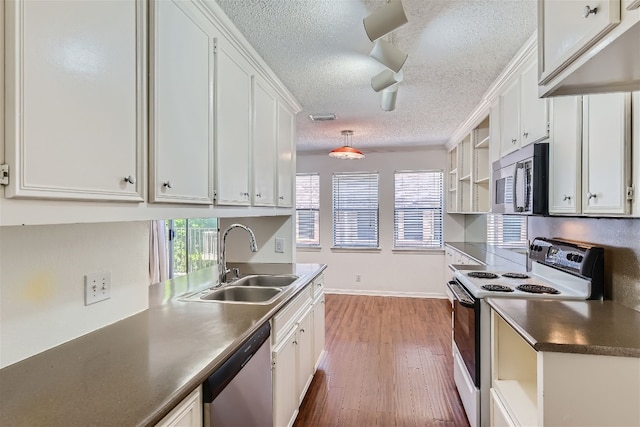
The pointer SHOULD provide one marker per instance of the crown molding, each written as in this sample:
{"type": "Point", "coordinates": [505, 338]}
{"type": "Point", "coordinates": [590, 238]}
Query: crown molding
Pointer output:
{"type": "Point", "coordinates": [511, 71]}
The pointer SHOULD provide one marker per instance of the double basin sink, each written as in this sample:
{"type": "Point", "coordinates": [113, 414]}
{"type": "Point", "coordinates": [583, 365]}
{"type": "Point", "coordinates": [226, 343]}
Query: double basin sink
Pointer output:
{"type": "Point", "coordinates": [254, 289]}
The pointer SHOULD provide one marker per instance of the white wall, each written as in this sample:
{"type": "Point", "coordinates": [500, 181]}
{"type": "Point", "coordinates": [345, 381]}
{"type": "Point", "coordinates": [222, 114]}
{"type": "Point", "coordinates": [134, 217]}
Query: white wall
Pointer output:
{"type": "Point", "coordinates": [384, 272]}
{"type": "Point", "coordinates": [42, 272]}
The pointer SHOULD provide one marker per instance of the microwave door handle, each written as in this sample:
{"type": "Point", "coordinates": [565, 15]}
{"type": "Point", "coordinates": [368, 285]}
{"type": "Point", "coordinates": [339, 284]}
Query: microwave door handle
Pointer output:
{"type": "Point", "coordinates": [461, 295]}
{"type": "Point", "coordinates": [519, 192]}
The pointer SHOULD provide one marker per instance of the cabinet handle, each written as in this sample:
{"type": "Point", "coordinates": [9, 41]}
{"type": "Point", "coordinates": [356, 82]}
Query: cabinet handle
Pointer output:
{"type": "Point", "coordinates": [588, 11]}
{"type": "Point", "coordinates": [130, 179]}
{"type": "Point", "coordinates": [168, 184]}
{"type": "Point", "coordinates": [565, 198]}
{"type": "Point", "coordinates": [591, 196]}
{"type": "Point", "coordinates": [514, 140]}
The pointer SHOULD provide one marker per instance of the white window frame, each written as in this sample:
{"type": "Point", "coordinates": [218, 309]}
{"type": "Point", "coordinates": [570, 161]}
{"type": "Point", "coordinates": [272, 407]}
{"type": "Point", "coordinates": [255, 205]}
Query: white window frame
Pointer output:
{"type": "Point", "coordinates": [308, 203]}
{"type": "Point", "coordinates": [425, 197]}
{"type": "Point", "coordinates": [355, 203]}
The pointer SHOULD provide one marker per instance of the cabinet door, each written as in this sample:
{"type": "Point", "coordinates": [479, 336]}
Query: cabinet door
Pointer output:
{"type": "Point", "coordinates": [565, 159]}
{"type": "Point", "coordinates": [606, 153]}
{"type": "Point", "coordinates": [286, 166]}
{"type": "Point", "coordinates": [499, 417]}
{"type": "Point", "coordinates": [533, 112]}
{"type": "Point", "coordinates": [305, 353]}
{"type": "Point", "coordinates": [285, 382]}
{"type": "Point", "coordinates": [264, 144]}
{"type": "Point", "coordinates": [181, 139]}
{"type": "Point", "coordinates": [187, 413]}
{"type": "Point", "coordinates": [318, 329]}
{"type": "Point", "coordinates": [566, 31]}
{"type": "Point", "coordinates": [233, 113]}
{"type": "Point", "coordinates": [76, 99]}
{"type": "Point", "coordinates": [510, 119]}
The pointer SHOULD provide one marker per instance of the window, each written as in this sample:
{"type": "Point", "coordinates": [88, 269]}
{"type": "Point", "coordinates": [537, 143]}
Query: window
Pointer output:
{"type": "Point", "coordinates": [308, 209]}
{"type": "Point", "coordinates": [192, 245]}
{"type": "Point", "coordinates": [418, 209]}
{"type": "Point", "coordinates": [507, 230]}
{"type": "Point", "coordinates": [355, 210]}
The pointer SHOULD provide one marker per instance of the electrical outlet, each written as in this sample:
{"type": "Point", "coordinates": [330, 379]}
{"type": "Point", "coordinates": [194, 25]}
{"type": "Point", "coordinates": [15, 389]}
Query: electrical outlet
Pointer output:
{"type": "Point", "coordinates": [358, 278]}
{"type": "Point", "coordinates": [97, 287]}
{"type": "Point", "coordinates": [279, 245]}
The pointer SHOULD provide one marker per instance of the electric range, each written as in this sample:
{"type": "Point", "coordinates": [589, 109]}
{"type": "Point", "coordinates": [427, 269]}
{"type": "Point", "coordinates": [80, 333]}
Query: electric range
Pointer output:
{"type": "Point", "coordinates": [560, 269]}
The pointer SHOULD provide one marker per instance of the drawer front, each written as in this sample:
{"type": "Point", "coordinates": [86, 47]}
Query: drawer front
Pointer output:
{"type": "Point", "coordinates": [318, 286]}
{"type": "Point", "coordinates": [287, 316]}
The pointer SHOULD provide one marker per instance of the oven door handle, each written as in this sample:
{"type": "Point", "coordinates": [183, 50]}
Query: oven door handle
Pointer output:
{"type": "Point", "coordinates": [461, 295]}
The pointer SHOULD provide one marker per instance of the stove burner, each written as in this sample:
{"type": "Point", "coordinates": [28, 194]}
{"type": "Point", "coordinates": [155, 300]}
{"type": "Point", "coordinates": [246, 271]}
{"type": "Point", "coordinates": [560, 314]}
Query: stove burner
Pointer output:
{"type": "Point", "coordinates": [482, 275]}
{"type": "Point", "coordinates": [497, 288]}
{"type": "Point", "coordinates": [516, 275]}
{"type": "Point", "coordinates": [537, 289]}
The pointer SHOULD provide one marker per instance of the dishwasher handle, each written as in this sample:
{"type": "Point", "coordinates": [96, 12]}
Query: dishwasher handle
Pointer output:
{"type": "Point", "coordinates": [222, 376]}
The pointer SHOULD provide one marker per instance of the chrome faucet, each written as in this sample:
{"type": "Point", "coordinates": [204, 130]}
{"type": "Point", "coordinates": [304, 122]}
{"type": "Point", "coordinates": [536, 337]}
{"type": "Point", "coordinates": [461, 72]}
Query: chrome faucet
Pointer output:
{"type": "Point", "coordinates": [222, 265]}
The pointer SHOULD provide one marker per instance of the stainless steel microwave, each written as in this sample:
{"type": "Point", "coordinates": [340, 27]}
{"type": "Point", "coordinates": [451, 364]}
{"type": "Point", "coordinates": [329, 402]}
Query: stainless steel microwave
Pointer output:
{"type": "Point", "coordinates": [521, 182]}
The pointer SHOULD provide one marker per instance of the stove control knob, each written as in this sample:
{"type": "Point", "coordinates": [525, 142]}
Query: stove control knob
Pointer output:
{"type": "Point", "coordinates": [570, 257]}
{"type": "Point", "coordinates": [580, 258]}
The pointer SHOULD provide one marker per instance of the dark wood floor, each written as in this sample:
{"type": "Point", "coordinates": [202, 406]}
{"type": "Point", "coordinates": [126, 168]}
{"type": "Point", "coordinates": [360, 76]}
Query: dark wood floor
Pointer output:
{"type": "Point", "coordinates": [388, 363]}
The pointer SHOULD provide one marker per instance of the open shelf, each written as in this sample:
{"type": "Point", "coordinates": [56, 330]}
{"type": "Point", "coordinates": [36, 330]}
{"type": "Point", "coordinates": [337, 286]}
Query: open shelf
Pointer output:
{"type": "Point", "coordinates": [484, 143]}
{"type": "Point", "coordinates": [484, 180]}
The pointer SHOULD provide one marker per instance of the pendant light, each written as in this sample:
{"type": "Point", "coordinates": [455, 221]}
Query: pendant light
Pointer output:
{"type": "Point", "coordinates": [346, 152]}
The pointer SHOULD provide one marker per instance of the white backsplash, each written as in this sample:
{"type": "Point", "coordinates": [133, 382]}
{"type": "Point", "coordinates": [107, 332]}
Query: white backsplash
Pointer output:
{"type": "Point", "coordinates": [42, 272]}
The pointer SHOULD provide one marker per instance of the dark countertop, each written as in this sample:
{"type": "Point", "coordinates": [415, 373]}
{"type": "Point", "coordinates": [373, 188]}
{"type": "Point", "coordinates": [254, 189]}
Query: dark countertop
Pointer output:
{"type": "Point", "coordinates": [585, 327]}
{"type": "Point", "coordinates": [492, 256]}
{"type": "Point", "coordinates": [135, 371]}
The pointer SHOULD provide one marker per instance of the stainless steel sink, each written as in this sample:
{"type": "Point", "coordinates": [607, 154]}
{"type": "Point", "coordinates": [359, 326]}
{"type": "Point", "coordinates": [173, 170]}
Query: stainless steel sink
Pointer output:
{"type": "Point", "coordinates": [245, 294]}
{"type": "Point", "coordinates": [266, 280]}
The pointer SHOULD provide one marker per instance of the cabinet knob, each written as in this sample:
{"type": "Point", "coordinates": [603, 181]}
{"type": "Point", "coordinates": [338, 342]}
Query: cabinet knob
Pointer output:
{"type": "Point", "coordinates": [591, 196]}
{"type": "Point", "coordinates": [588, 11]}
{"type": "Point", "coordinates": [526, 134]}
{"type": "Point", "coordinates": [259, 195]}
{"type": "Point", "coordinates": [281, 197]}
{"type": "Point", "coordinates": [168, 184]}
{"type": "Point", "coordinates": [565, 198]}
{"type": "Point", "coordinates": [514, 140]}
{"type": "Point", "coordinates": [302, 331]}
{"type": "Point", "coordinates": [295, 343]}
{"type": "Point", "coordinates": [130, 179]}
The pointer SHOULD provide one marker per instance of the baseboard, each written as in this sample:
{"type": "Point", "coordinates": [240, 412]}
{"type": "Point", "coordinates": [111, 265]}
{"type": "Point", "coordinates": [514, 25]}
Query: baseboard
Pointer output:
{"type": "Point", "coordinates": [384, 293]}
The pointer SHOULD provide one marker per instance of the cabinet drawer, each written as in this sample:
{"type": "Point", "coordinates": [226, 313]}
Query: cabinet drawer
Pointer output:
{"type": "Point", "coordinates": [317, 286]}
{"type": "Point", "coordinates": [286, 318]}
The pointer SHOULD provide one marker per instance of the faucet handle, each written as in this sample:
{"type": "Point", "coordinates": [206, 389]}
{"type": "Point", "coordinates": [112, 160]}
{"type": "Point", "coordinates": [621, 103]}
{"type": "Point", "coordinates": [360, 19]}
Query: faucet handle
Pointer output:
{"type": "Point", "coordinates": [236, 273]}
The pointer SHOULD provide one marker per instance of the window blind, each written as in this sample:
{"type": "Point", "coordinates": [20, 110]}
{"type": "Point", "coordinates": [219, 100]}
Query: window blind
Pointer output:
{"type": "Point", "coordinates": [507, 230]}
{"type": "Point", "coordinates": [355, 210]}
{"type": "Point", "coordinates": [418, 209]}
{"type": "Point", "coordinates": [308, 209]}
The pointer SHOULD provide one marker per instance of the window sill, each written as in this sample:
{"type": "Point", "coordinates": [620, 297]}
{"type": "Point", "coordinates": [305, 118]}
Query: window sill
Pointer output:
{"type": "Point", "coordinates": [430, 251]}
{"type": "Point", "coordinates": [373, 250]}
{"type": "Point", "coordinates": [308, 248]}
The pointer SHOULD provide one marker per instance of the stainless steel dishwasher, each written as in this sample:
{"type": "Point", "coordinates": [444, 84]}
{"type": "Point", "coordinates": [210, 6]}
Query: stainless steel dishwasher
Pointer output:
{"type": "Point", "coordinates": [239, 393]}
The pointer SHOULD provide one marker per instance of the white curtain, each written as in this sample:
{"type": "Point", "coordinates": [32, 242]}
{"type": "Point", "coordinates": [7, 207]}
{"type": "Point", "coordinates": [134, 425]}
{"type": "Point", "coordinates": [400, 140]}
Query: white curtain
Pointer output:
{"type": "Point", "coordinates": [158, 262]}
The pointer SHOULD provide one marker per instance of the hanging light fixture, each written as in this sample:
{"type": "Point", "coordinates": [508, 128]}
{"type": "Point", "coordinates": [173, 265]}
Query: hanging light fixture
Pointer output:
{"type": "Point", "coordinates": [389, 96]}
{"type": "Point", "coordinates": [346, 152]}
{"type": "Point", "coordinates": [384, 20]}
{"type": "Point", "coordinates": [388, 55]}
{"type": "Point", "coordinates": [385, 79]}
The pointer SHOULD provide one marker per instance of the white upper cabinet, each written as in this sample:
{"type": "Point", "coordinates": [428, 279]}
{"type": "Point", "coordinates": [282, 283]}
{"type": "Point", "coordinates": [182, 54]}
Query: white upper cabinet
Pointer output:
{"type": "Point", "coordinates": [570, 28]}
{"type": "Point", "coordinates": [565, 148]}
{"type": "Point", "coordinates": [579, 40]}
{"type": "Point", "coordinates": [264, 144]}
{"type": "Point", "coordinates": [181, 113]}
{"type": "Point", "coordinates": [233, 126]}
{"type": "Point", "coordinates": [510, 119]}
{"type": "Point", "coordinates": [534, 115]}
{"type": "Point", "coordinates": [606, 154]}
{"type": "Point", "coordinates": [286, 147]}
{"type": "Point", "coordinates": [76, 99]}
{"type": "Point", "coordinates": [523, 116]}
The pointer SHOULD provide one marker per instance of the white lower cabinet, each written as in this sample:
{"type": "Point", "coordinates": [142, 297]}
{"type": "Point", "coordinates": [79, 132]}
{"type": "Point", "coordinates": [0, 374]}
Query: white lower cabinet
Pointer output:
{"type": "Point", "coordinates": [297, 341]}
{"type": "Point", "coordinates": [187, 413]}
{"type": "Point", "coordinates": [531, 388]}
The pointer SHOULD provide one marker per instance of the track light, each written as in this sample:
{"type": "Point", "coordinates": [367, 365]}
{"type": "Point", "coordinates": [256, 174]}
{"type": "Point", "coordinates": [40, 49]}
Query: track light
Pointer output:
{"type": "Point", "coordinates": [385, 79]}
{"type": "Point", "coordinates": [388, 55]}
{"type": "Point", "coordinates": [389, 96]}
{"type": "Point", "coordinates": [384, 20]}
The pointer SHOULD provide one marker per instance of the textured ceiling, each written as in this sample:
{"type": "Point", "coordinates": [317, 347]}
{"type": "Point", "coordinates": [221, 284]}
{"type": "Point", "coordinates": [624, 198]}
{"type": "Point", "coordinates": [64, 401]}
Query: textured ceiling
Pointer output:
{"type": "Point", "coordinates": [320, 51]}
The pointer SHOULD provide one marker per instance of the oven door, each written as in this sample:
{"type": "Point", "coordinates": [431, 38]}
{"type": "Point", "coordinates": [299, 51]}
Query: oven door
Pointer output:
{"type": "Point", "coordinates": [466, 329]}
